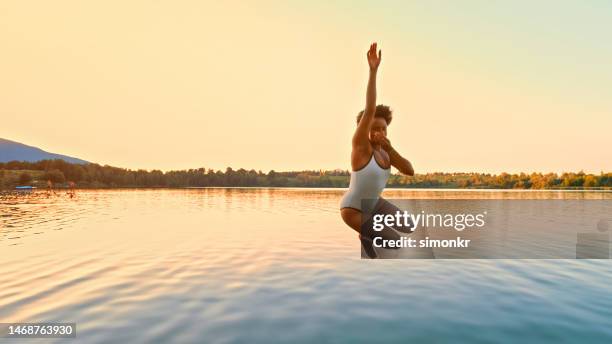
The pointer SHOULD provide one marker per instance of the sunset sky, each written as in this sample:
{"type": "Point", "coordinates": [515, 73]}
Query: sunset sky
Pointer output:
{"type": "Point", "coordinates": [476, 86]}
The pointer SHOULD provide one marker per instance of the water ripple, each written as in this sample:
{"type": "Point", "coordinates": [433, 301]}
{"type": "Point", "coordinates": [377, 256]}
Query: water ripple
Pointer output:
{"type": "Point", "coordinates": [261, 265]}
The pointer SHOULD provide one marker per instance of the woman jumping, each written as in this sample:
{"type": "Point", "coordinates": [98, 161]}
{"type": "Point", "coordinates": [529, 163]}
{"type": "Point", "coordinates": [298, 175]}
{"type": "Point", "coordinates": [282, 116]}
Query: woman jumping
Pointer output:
{"type": "Point", "coordinates": [371, 159]}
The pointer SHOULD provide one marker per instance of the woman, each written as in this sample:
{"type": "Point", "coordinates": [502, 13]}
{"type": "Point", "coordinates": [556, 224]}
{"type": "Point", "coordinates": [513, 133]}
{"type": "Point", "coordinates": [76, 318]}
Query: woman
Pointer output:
{"type": "Point", "coordinates": [371, 158]}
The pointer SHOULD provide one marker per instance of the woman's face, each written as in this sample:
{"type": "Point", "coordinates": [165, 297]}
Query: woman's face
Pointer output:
{"type": "Point", "coordinates": [378, 129]}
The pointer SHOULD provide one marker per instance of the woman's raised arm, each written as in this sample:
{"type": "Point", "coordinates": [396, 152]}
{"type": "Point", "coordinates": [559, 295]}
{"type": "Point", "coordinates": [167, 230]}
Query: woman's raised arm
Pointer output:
{"type": "Point", "coordinates": [360, 138]}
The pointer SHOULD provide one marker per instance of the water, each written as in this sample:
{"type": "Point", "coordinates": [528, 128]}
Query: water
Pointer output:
{"type": "Point", "coordinates": [272, 265]}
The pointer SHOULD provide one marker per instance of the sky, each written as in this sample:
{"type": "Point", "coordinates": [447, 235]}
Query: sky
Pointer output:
{"type": "Point", "coordinates": [476, 86]}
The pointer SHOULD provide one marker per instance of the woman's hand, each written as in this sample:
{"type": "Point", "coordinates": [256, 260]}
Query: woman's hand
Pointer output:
{"type": "Point", "coordinates": [383, 141]}
{"type": "Point", "coordinates": [373, 59]}
{"type": "Point", "coordinates": [397, 161]}
{"type": "Point", "coordinates": [385, 144]}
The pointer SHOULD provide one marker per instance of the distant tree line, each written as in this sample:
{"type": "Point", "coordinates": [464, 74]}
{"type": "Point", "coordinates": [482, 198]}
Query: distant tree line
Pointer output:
{"type": "Point", "coordinates": [94, 175]}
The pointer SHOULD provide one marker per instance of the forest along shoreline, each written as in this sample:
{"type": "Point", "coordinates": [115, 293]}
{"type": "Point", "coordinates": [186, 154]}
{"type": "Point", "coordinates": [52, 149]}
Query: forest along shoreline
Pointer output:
{"type": "Point", "coordinates": [61, 174]}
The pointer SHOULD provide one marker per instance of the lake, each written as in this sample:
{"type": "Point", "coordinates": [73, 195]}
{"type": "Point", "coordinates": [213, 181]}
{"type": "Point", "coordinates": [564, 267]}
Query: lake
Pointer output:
{"type": "Point", "coordinates": [229, 265]}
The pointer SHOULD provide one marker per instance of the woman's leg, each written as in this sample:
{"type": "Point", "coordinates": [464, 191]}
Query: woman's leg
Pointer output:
{"type": "Point", "coordinates": [385, 207]}
{"type": "Point", "coordinates": [353, 218]}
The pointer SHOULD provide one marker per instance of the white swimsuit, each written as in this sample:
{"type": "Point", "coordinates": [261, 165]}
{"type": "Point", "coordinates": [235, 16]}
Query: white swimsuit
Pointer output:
{"type": "Point", "coordinates": [366, 183]}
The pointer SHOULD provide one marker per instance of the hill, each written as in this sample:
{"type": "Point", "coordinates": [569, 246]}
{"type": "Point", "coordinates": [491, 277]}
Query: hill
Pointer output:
{"type": "Point", "coordinates": [11, 150]}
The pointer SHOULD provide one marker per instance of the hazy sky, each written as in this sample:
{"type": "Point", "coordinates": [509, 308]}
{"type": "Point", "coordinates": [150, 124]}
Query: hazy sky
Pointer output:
{"type": "Point", "coordinates": [475, 85]}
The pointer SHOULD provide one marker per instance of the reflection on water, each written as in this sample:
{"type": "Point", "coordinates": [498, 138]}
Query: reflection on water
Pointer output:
{"type": "Point", "coordinates": [236, 265]}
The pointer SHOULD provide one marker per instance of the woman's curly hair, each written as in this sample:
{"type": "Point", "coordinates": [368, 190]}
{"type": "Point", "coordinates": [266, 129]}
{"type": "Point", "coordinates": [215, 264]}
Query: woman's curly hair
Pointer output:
{"type": "Point", "coordinates": [382, 111]}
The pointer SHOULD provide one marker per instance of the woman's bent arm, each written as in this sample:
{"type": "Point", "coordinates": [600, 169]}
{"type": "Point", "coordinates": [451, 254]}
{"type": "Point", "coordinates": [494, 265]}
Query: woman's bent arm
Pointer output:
{"type": "Point", "coordinates": [401, 163]}
{"type": "Point", "coordinates": [397, 161]}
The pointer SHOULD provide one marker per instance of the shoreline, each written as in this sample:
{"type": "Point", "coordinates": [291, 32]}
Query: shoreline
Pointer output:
{"type": "Point", "coordinates": [61, 188]}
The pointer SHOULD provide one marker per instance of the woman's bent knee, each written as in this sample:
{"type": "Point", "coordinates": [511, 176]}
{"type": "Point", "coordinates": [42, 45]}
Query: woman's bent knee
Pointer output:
{"type": "Point", "coordinates": [352, 217]}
